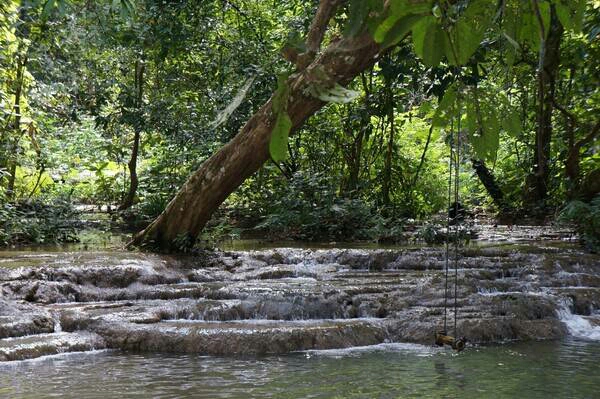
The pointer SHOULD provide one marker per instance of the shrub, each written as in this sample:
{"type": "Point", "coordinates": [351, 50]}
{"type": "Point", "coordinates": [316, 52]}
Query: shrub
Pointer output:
{"type": "Point", "coordinates": [310, 209]}
{"type": "Point", "coordinates": [586, 217]}
{"type": "Point", "coordinates": [37, 222]}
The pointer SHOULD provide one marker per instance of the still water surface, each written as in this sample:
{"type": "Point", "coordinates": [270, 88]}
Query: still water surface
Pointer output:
{"type": "Point", "coordinates": [568, 369]}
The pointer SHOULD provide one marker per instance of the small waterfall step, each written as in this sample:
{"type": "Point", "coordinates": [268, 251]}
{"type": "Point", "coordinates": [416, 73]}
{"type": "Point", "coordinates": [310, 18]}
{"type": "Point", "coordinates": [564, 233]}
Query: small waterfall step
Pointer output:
{"type": "Point", "coordinates": [245, 337]}
{"type": "Point", "coordinates": [34, 346]}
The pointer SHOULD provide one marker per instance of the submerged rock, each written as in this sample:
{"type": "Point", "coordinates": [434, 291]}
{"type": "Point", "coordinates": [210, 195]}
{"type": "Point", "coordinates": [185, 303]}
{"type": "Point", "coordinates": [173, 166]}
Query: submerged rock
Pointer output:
{"type": "Point", "coordinates": [283, 300]}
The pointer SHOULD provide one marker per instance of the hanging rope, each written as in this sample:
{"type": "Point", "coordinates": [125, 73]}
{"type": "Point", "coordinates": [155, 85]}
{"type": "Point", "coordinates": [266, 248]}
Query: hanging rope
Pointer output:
{"type": "Point", "coordinates": [453, 182]}
{"type": "Point", "coordinates": [456, 216]}
{"type": "Point", "coordinates": [450, 163]}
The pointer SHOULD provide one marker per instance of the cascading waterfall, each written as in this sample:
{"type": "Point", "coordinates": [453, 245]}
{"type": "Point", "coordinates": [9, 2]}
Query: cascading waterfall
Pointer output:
{"type": "Point", "coordinates": [577, 325]}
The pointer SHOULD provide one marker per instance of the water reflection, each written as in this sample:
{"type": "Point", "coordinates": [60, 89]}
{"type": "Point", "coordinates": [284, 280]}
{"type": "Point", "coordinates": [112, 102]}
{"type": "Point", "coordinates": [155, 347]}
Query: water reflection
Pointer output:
{"type": "Point", "coordinates": [533, 370]}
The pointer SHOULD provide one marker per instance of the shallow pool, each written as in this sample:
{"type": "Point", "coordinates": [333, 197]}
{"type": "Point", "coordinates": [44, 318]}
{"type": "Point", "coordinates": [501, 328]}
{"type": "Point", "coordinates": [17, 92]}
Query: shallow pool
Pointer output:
{"type": "Point", "coordinates": [568, 369]}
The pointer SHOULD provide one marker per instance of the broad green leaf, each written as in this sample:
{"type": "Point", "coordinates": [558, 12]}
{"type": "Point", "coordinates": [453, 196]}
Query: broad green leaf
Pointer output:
{"type": "Point", "coordinates": [545, 13]}
{"type": "Point", "coordinates": [464, 37]}
{"type": "Point", "coordinates": [400, 30]}
{"type": "Point", "coordinates": [570, 13]}
{"type": "Point", "coordinates": [279, 137]}
{"type": "Point", "coordinates": [127, 8]}
{"type": "Point", "coordinates": [483, 125]}
{"type": "Point", "coordinates": [528, 26]}
{"type": "Point", "coordinates": [428, 40]}
{"type": "Point", "coordinates": [384, 27]}
{"type": "Point", "coordinates": [446, 109]}
{"type": "Point", "coordinates": [62, 7]}
{"type": "Point", "coordinates": [405, 7]}
{"type": "Point", "coordinates": [512, 41]}
{"type": "Point", "coordinates": [375, 17]}
{"type": "Point", "coordinates": [507, 115]}
{"type": "Point", "coordinates": [48, 7]}
{"type": "Point", "coordinates": [511, 123]}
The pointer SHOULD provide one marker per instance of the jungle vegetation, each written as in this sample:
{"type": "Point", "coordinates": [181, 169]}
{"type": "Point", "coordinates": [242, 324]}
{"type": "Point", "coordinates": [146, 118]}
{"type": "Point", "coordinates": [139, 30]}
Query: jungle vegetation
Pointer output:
{"type": "Point", "coordinates": [300, 119]}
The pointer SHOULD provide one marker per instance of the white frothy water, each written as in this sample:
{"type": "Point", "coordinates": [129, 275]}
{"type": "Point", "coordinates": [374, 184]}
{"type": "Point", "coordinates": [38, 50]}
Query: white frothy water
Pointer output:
{"type": "Point", "coordinates": [419, 350]}
{"type": "Point", "coordinates": [577, 325]}
{"type": "Point", "coordinates": [57, 325]}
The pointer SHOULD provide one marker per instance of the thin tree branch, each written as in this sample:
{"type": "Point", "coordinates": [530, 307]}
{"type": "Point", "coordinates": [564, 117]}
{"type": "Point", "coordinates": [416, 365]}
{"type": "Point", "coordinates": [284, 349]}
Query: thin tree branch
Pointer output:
{"type": "Point", "coordinates": [416, 177]}
{"type": "Point", "coordinates": [590, 136]}
{"type": "Point", "coordinates": [565, 112]}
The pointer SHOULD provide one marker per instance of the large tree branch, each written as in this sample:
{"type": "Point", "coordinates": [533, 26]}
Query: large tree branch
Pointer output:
{"type": "Point", "coordinates": [318, 27]}
{"type": "Point", "coordinates": [316, 32]}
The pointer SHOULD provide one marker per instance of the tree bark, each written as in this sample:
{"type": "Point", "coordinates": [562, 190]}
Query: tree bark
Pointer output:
{"type": "Point", "coordinates": [187, 213]}
{"type": "Point", "coordinates": [488, 180]}
{"type": "Point", "coordinates": [537, 185]}
{"type": "Point", "coordinates": [132, 165]}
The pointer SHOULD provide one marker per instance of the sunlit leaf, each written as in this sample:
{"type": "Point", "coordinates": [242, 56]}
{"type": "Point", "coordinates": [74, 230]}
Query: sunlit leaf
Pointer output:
{"type": "Point", "coordinates": [279, 137]}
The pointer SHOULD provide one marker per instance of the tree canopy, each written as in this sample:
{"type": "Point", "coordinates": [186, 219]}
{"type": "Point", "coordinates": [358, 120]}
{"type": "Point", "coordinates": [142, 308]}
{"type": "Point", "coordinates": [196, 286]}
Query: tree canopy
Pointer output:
{"type": "Point", "coordinates": [321, 120]}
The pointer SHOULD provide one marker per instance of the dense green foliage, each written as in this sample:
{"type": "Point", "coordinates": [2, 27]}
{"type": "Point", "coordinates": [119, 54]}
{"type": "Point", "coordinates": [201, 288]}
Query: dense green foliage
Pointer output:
{"type": "Point", "coordinates": [586, 216]}
{"type": "Point", "coordinates": [80, 82]}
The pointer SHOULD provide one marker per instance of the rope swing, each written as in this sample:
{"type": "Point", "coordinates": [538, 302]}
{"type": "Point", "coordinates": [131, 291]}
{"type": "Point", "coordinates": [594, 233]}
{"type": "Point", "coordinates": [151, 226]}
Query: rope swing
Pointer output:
{"type": "Point", "coordinates": [442, 337]}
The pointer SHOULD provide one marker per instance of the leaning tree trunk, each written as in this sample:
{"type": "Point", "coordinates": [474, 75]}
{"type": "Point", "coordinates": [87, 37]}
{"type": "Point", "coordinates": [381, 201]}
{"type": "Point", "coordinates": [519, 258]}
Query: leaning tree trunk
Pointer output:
{"type": "Point", "coordinates": [488, 180]}
{"type": "Point", "coordinates": [537, 190]}
{"type": "Point", "coordinates": [187, 213]}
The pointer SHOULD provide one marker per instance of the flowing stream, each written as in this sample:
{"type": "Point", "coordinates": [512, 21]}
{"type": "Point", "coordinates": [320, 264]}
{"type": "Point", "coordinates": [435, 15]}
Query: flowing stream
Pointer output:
{"type": "Point", "coordinates": [557, 369]}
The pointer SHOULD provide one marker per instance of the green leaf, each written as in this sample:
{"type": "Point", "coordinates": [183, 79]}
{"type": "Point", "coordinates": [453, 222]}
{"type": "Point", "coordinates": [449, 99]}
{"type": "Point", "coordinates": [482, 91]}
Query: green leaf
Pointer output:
{"type": "Point", "coordinates": [447, 108]}
{"type": "Point", "coordinates": [466, 34]}
{"type": "Point", "coordinates": [524, 24]}
{"type": "Point", "coordinates": [511, 123]}
{"type": "Point", "coordinates": [48, 7]}
{"type": "Point", "coordinates": [507, 115]}
{"type": "Point", "coordinates": [399, 30]}
{"type": "Point", "coordinates": [483, 125]}
{"type": "Point", "coordinates": [545, 13]}
{"type": "Point", "coordinates": [405, 7]}
{"type": "Point", "coordinates": [512, 41]}
{"type": "Point", "coordinates": [428, 40]}
{"type": "Point", "coordinates": [384, 27]}
{"type": "Point", "coordinates": [279, 137]}
{"type": "Point", "coordinates": [570, 13]}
